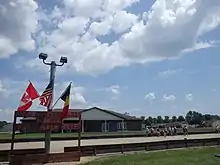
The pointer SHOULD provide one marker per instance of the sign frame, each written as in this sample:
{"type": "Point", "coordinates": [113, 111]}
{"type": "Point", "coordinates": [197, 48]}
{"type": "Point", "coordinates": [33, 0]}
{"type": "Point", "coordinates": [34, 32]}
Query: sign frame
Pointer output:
{"type": "Point", "coordinates": [48, 120]}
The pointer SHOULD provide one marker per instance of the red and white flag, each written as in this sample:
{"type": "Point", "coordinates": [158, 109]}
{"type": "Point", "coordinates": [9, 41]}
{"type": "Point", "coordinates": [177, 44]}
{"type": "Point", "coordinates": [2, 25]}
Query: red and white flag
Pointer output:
{"type": "Point", "coordinates": [29, 95]}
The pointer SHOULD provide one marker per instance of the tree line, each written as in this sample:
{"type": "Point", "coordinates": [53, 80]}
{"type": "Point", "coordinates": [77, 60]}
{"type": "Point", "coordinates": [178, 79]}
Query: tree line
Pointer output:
{"type": "Point", "coordinates": [192, 118]}
{"type": "Point", "coordinates": [2, 124]}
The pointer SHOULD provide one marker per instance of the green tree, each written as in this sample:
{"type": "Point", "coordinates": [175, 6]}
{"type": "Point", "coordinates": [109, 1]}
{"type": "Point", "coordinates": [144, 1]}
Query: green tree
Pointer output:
{"type": "Point", "coordinates": [147, 122]}
{"type": "Point", "coordinates": [189, 117]}
{"type": "Point", "coordinates": [207, 117]}
{"type": "Point", "coordinates": [159, 119]}
{"type": "Point", "coordinates": [166, 119]}
{"type": "Point", "coordinates": [180, 118]}
{"type": "Point", "coordinates": [150, 119]}
{"type": "Point", "coordinates": [2, 124]}
{"type": "Point", "coordinates": [143, 118]}
{"type": "Point", "coordinates": [154, 120]}
{"type": "Point", "coordinates": [174, 119]}
{"type": "Point", "coordinates": [197, 118]}
{"type": "Point", "coordinates": [193, 117]}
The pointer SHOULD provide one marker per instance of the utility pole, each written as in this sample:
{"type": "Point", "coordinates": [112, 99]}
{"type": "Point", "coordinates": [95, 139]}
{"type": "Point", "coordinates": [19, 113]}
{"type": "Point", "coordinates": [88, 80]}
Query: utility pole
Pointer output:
{"type": "Point", "coordinates": [53, 66]}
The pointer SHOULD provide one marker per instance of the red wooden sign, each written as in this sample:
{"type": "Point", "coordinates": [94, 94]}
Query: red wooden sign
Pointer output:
{"type": "Point", "coordinates": [52, 127]}
{"type": "Point", "coordinates": [48, 120]}
{"type": "Point", "coordinates": [48, 114]}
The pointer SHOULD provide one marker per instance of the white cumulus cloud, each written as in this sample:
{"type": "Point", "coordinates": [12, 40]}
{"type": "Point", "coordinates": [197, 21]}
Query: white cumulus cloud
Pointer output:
{"type": "Point", "coordinates": [150, 97]}
{"type": "Point", "coordinates": [19, 21]}
{"type": "Point", "coordinates": [169, 72]}
{"type": "Point", "coordinates": [167, 97]}
{"type": "Point", "coordinates": [189, 97]}
{"type": "Point", "coordinates": [73, 28]}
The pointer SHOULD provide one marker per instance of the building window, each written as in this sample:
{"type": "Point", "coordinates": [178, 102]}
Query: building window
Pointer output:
{"type": "Point", "coordinates": [124, 125]}
{"type": "Point", "coordinates": [121, 125]}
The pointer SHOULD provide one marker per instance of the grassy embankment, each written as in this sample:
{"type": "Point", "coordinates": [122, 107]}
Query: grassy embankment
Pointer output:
{"type": "Point", "coordinates": [199, 156]}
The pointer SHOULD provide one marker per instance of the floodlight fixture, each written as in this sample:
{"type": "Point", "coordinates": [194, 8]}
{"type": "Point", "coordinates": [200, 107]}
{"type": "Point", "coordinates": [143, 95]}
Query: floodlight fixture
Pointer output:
{"type": "Point", "coordinates": [63, 60]}
{"type": "Point", "coordinates": [43, 56]}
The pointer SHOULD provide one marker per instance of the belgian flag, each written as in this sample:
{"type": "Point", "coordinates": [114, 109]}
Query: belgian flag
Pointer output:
{"type": "Point", "coordinates": [66, 98]}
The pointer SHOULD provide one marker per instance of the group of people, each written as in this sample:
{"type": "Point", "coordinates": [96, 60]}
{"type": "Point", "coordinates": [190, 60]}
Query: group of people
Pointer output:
{"type": "Point", "coordinates": [166, 131]}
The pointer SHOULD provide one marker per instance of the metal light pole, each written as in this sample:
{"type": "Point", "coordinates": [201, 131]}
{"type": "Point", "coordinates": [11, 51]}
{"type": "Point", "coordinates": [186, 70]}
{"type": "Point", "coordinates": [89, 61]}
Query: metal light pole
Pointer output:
{"type": "Point", "coordinates": [53, 66]}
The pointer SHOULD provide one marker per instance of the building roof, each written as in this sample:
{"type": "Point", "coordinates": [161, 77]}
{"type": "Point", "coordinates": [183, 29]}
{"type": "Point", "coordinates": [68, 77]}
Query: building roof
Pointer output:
{"type": "Point", "coordinates": [120, 115]}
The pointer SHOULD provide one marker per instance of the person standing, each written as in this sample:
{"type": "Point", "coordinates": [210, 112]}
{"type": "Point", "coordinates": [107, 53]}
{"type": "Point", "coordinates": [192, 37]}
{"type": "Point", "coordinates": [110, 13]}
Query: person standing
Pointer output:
{"type": "Point", "coordinates": [147, 131]}
{"type": "Point", "coordinates": [175, 130]}
{"type": "Point", "coordinates": [165, 132]}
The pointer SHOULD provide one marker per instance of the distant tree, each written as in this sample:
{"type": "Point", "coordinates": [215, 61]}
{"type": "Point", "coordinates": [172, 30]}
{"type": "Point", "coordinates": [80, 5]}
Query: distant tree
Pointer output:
{"type": "Point", "coordinates": [166, 119]}
{"type": "Point", "coordinates": [180, 118]}
{"type": "Point", "coordinates": [193, 117]}
{"type": "Point", "coordinates": [2, 124]}
{"type": "Point", "coordinates": [189, 117]}
{"type": "Point", "coordinates": [215, 117]}
{"type": "Point", "coordinates": [207, 117]}
{"type": "Point", "coordinates": [126, 113]}
{"type": "Point", "coordinates": [159, 119]}
{"type": "Point", "coordinates": [154, 120]}
{"type": "Point", "coordinates": [149, 120]}
{"type": "Point", "coordinates": [143, 118]}
{"type": "Point", "coordinates": [174, 119]}
{"type": "Point", "coordinates": [197, 118]}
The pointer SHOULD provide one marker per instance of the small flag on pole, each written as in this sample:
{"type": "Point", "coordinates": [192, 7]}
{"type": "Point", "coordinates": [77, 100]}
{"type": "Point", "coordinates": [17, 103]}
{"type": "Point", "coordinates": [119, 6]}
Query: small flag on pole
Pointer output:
{"type": "Point", "coordinates": [27, 98]}
{"type": "Point", "coordinates": [66, 98]}
{"type": "Point", "coordinates": [46, 96]}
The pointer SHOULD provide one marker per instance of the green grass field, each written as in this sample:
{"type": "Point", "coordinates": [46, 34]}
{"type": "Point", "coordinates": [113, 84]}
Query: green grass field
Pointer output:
{"type": "Point", "coordinates": [199, 156]}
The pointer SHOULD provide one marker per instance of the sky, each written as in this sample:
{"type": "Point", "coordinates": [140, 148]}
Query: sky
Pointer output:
{"type": "Point", "coordinates": [150, 58]}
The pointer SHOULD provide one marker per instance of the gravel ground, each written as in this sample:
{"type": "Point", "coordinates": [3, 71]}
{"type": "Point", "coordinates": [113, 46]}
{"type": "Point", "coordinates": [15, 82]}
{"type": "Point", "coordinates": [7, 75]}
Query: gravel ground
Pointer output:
{"type": "Point", "coordinates": [58, 146]}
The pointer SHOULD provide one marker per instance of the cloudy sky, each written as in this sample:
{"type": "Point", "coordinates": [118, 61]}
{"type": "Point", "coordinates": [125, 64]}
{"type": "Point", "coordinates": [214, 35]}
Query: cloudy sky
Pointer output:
{"type": "Point", "coordinates": [145, 57]}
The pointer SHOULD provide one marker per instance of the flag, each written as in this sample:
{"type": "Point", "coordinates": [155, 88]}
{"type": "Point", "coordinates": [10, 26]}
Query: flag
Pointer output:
{"type": "Point", "coordinates": [27, 98]}
{"type": "Point", "coordinates": [66, 98]}
{"type": "Point", "coordinates": [46, 96]}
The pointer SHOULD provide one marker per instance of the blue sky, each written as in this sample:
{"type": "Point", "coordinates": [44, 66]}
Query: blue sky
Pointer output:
{"type": "Point", "coordinates": [142, 57]}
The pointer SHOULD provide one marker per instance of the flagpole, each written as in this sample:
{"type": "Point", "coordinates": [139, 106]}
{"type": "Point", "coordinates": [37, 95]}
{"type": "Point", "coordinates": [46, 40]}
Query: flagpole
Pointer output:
{"type": "Point", "coordinates": [61, 95]}
{"type": "Point", "coordinates": [53, 65]}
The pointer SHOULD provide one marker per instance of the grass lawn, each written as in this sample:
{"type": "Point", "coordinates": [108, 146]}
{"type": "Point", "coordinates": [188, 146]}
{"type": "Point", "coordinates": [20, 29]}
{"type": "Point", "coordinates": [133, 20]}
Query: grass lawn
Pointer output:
{"type": "Point", "coordinates": [199, 156]}
{"type": "Point", "coordinates": [41, 135]}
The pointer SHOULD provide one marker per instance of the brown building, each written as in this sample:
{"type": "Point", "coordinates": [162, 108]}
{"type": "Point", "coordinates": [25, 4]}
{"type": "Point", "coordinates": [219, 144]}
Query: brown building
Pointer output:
{"type": "Point", "coordinates": [95, 120]}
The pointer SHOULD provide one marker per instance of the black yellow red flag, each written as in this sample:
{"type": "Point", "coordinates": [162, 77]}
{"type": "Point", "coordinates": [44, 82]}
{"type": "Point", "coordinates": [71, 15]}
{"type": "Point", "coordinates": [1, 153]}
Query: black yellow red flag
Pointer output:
{"type": "Point", "coordinates": [66, 98]}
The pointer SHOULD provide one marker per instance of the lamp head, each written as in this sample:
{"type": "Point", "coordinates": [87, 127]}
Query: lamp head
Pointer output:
{"type": "Point", "coordinates": [63, 60]}
{"type": "Point", "coordinates": [42, 56]}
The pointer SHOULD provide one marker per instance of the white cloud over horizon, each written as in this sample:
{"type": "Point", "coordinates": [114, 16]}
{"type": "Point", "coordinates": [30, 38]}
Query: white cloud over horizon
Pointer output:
{"type": "Point", "coordinates": [150, 97]}
{"type": "Point", "coordinates": [72, 28]}
{"type": "Point", "coordinates": [168, 98]}
{"type": "Point", "coordinates": [189, 97]}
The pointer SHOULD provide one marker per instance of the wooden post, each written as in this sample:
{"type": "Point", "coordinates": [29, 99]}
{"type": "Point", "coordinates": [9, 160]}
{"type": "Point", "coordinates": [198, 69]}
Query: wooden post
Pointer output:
{"type": "Point", "coordinates": [79, 132]}
{"type": "Point", "coordinates": [13, 132]}
{"type": "Point", "coordinates": [82, 126]}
